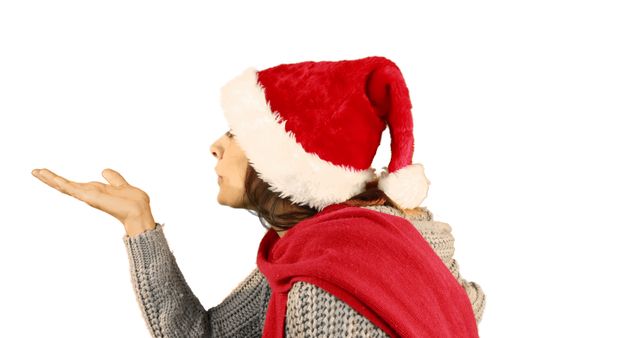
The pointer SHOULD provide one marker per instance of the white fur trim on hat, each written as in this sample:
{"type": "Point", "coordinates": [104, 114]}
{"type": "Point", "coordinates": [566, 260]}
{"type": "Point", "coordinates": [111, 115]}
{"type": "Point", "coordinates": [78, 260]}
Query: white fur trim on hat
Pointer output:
{"type": "Point", "coordinates": [407, 186]}
{"type": "Point", "coordinates": [275, 153]}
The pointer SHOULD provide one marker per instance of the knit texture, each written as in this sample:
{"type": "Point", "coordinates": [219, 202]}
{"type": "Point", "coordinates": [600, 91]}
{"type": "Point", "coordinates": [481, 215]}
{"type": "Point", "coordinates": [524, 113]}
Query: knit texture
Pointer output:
{"type": "Point", "coordinates": [170, 309]}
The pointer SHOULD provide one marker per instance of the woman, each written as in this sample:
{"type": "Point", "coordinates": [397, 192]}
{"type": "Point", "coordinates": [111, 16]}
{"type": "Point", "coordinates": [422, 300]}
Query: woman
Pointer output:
{"type": "Point", "coordinates": [346, 254]}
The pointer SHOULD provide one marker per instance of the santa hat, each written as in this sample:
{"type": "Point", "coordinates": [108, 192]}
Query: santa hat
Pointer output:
{"type": "Point", "coordinates": [311, 129]}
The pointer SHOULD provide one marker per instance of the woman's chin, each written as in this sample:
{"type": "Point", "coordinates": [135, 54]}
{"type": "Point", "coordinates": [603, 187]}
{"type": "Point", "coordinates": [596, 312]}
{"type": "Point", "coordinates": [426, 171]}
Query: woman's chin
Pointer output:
{"type": "Point", "coordinates": [221, 199]}
{"type": "Point", "coordinates": [230, 199]}
{"type": "Point", "coordinates": [224, 200]}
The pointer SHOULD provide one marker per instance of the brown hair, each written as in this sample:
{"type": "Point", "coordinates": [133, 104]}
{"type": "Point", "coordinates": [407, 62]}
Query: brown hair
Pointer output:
{"type": "Point", "coordinates": [264, 203]}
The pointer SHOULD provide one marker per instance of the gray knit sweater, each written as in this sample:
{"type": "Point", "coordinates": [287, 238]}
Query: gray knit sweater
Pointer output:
{"type": "Point", "coordinates": [170, 309]}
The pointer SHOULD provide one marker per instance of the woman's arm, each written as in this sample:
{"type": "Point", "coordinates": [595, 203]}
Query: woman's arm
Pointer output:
{"type": "Point", "coordinates": [314, 312]}
{"type": "Point", "coordinates": [169, 307]}
{"type": "Point", "coordinates": [473, 289]}
{"type": "Point", "coordinates": [438, 235]}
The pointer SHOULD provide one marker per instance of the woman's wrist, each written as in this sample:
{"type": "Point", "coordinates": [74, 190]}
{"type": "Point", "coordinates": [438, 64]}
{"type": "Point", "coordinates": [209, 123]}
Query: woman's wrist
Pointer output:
{"type": "Point", "coordinates": [139, 224]}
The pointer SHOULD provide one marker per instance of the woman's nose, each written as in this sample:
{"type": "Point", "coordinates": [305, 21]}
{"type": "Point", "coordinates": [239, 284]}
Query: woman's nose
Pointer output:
{"type": "Point", "coordinates": [216, 153]}
{"type": "Point", "coordinates": [216, 150]}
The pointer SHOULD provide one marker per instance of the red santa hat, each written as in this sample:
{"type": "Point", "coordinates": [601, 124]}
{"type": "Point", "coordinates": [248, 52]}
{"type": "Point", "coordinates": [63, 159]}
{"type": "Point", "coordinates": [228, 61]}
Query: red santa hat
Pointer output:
{"type": "Point", "coordinates": [311, 129]}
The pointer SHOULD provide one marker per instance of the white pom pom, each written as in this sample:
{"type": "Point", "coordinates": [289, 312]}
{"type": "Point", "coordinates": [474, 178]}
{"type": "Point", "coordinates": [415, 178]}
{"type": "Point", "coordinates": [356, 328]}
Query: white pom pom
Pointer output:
{"type": "Point", "coordinates": [407, 187]}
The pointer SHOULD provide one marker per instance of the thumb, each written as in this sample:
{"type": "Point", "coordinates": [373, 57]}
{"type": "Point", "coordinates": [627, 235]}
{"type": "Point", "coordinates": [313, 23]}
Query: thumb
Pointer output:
{"type": "Point", "coordinates": [114, 178]}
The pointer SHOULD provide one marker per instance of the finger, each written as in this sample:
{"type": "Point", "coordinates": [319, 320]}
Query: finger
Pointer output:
{"type": "Point", "coordinates": [91, 193]}
{"type": "Point", "coordinates": [57, 182]}
{"type": "Point", "coordinates": [46, 176]}
{"type": "Point", "coordinates": [114, 178]}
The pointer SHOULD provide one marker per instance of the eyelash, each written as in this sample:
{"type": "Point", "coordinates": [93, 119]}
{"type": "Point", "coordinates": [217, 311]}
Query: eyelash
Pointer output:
{"type": "Point", "coordinates": [229, 134]}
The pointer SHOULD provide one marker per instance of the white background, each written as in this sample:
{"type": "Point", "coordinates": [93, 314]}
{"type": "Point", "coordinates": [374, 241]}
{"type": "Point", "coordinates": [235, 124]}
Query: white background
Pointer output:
{"type": "Point", "coordinates": [525, 120]}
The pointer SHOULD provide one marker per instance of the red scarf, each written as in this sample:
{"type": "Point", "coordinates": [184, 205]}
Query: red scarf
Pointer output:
{"type": "Point", "coordinates": [377, 263]}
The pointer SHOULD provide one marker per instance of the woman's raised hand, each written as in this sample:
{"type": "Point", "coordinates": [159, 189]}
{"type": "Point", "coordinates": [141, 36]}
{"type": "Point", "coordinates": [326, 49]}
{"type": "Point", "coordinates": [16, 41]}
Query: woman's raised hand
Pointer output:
{"type": "Point", "coordinates": [119, 199]}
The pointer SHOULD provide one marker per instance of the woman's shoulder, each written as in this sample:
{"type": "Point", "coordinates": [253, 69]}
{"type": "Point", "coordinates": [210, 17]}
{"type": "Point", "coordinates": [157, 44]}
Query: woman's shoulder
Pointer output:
{"type": "Point", "coordinates": [437, 234]}
{"type": "Point", "coordinates": [421, 218]}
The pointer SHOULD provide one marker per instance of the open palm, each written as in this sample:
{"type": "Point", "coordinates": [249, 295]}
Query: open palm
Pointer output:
{"type": "Point", "coordinates": [118, 198]}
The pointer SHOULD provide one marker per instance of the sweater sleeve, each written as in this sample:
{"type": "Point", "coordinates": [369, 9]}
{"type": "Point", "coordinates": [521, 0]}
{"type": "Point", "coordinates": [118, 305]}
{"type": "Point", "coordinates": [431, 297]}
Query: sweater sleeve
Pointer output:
{"type": "Point", "coordinates": [439, 236]}
{"type": "Point", "coordinates": [169, 307]}
{"type": "Point", "coordinates": [473, 289]}
{"type": "Point", "coordinates": [314, 312]}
